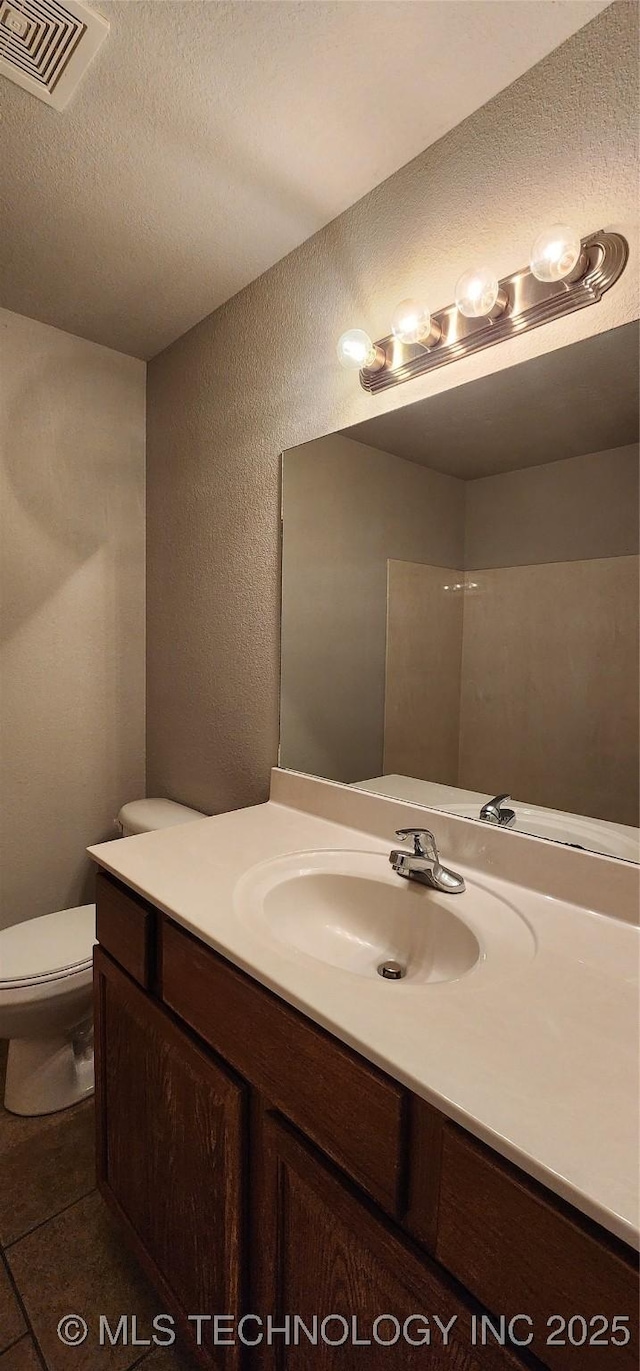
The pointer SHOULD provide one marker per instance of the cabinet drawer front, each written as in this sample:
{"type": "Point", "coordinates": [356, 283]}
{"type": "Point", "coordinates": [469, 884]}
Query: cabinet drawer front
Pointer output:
{"type": "Point", "coordinates": [353, 1112]}
{"type": "Point", "coordinates": [125, 927]}
{"type": "Point", "coordinates": [519, 1253]}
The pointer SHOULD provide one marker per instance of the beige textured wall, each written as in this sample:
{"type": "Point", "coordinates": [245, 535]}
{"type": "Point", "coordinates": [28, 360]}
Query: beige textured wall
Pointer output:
{"type": "Point", "coordinates": [260, 375]}
{"type": "Point", "coordinates": [72, 425]}
{"type": "Point", "coordinates": [347, 509]}
{"type": "Point", "coordinates": [562, 511]}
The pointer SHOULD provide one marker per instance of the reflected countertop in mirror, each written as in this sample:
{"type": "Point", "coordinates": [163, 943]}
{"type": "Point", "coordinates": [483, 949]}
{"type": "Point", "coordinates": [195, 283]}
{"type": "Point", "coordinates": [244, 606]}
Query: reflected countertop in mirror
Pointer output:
{"type": "Point", "coordinates": [576, 830]}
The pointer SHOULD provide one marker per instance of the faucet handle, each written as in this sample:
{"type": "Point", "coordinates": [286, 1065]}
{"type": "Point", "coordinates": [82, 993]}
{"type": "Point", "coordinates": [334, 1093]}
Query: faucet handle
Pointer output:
{"type": "Point", "coordinates": [493, 813]}
{"type": "Point", "coordinates": [420, 848]}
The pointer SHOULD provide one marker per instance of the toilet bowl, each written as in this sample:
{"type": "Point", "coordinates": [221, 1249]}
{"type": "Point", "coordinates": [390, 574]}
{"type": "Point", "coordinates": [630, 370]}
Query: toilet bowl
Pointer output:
{"type": "Point", "coordinates": [46, 976]}
{"type": "Point", "coordinates": [45, 1009]}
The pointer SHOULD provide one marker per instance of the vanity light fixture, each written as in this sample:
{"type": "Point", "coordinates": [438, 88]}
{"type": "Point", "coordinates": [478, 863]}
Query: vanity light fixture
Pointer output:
{"type": "Point", "coordinates": [565, 273]}
{"type": "Point", "coordinates": [412, 323]}
{"type": "Point", "coordinates": [478, 294]}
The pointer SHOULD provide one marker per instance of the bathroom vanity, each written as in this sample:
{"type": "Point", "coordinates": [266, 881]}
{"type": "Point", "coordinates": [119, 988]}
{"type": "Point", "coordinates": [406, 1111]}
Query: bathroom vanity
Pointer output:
{"type": "Point", "coordinates": [283, 1131]}
{"type": "Point", "coordinates": [261, 1165]}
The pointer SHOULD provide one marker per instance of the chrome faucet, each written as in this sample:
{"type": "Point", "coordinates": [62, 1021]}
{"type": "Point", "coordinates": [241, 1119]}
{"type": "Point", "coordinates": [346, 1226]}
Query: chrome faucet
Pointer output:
{"type": "Point", "coordinates": [423, 864]}
{"type": "Point", "coordinates": [493, 813]}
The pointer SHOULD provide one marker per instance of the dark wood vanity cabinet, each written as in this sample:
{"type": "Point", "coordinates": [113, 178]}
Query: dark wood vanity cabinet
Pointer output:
{"type": "Point", "coordinates": [261, 1168]}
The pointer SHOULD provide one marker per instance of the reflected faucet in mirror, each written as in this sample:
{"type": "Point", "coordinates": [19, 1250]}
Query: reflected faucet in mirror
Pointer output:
{"type": "Point", "coordinates": [493, 813]}
{"type": "Point", "coordinates": [423, 864]}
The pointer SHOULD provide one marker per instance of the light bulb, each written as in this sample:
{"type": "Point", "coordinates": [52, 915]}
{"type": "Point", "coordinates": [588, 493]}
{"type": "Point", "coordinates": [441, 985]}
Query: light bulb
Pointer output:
{"type": "Point", "coordinates": [356, 350]}
{"type": "Point", "coordinates": [557, 254]}
{"type": "Point", "coordinates": [478, 294]}
{"type": "Point", "coordinates": [412, 323]}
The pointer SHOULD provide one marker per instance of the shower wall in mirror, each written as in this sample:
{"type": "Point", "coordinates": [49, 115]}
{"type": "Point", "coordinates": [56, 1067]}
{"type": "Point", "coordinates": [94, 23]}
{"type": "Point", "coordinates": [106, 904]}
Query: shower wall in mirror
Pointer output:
{"type": "Point", "coordinates": [460, 598]}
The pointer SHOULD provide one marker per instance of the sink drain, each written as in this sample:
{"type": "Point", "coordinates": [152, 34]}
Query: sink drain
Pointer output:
{"type": "Point", "coordinates": [391, 971]}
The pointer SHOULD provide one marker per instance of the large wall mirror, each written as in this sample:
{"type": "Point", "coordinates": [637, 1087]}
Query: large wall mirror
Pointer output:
{"type": "Point", "coordinates": [460, 599]}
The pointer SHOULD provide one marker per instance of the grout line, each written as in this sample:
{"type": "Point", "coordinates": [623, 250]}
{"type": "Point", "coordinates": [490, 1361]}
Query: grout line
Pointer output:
{"type": "Point", "coordinates": [27, 1337]}
{"type": "Point", "coordinates": [43, 1222]}
{"type": "Point", "coordinates": [23, 1310]}
{"type": "Point", "coordinates": [29, 1331]}
{"type": "Point", "coordinates": [20, 1338]}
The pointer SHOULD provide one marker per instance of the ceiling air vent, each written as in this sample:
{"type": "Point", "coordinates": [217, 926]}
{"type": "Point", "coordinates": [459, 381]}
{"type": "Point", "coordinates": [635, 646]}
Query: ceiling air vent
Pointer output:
{"type": "Point", "coordinates": [46, 46]}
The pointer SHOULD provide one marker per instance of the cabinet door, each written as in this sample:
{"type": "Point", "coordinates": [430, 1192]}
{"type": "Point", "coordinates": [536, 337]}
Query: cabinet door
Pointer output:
{"type": "Point", "coordinates": [320, 1249]}
{"type": "Point", "coordinates": [169, 1151]}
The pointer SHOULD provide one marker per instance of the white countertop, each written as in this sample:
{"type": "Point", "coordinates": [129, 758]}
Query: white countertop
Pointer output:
{"type": "Point", "coordinates": [541, 1062]}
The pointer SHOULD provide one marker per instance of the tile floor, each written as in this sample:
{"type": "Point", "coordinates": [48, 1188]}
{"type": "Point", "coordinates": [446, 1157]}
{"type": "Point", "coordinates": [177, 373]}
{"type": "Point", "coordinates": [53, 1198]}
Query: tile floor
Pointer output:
{"type": "Point", "coordinates": [60, 1252]}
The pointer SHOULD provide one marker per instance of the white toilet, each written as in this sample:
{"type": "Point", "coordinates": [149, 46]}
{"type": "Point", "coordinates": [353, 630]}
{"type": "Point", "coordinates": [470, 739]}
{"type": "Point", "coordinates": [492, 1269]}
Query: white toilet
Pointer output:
{"type": "Point", "coordinates": [46, 988]}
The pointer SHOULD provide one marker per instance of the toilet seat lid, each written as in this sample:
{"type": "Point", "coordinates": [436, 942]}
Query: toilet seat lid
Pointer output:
{"type": "Point", "coordinates": [50, 946]}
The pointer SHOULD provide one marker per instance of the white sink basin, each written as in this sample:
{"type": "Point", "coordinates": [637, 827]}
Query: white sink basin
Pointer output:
{"type": "Point", "coordinates": [351, 911]}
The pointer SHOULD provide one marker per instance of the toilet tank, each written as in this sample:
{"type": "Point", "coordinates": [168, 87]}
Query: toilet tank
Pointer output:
{"type": "Point", "coordinates": [144, 816]}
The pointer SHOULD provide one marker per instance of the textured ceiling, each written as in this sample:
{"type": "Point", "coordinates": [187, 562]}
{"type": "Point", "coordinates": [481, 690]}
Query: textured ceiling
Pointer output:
{"type": "Point", "coordinates": [582, 398]}
{"type": "Point", "coordinates": [209, 139]}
